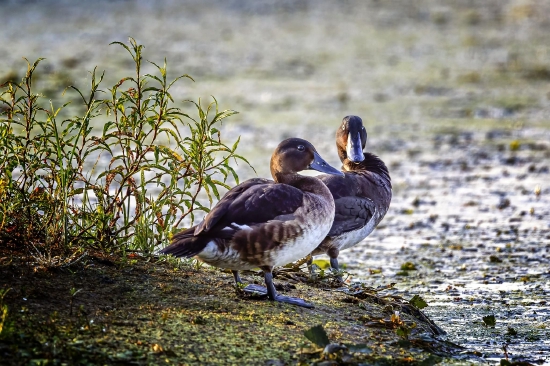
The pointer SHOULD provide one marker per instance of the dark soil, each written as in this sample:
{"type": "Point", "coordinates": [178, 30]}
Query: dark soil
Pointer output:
{"type": "Point", "coordinates": [138, 312]}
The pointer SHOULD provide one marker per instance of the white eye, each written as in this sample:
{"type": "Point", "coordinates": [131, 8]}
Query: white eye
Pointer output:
{"type": "Point", "coordinates": [343, 127]}
{"type": "Point", "coordinates": [363, 127]}
{"type": "Point", "coordinates": [301, 147]}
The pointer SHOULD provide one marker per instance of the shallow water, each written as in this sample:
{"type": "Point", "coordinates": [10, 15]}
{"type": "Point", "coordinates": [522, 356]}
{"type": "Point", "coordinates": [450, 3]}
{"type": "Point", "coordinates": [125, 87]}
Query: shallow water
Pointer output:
{"type": "Point", "coordinates": [473, 258]}
{"type": "Point", "coordinates": [479, 236]}
{"type": "Point", "coordinates": [454, 95]}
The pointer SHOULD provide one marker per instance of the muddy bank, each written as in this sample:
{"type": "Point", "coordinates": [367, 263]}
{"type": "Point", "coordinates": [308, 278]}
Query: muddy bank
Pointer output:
{"type": "Point", "coordinates": [105, 310]}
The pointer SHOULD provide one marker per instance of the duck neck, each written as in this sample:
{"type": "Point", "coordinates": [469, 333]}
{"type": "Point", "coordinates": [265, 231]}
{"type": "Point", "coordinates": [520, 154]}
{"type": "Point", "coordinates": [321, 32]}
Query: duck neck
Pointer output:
{"type": "Point", "coordinates": [302, 182]}
{"type": "Point", "coordinates": [371, 163]}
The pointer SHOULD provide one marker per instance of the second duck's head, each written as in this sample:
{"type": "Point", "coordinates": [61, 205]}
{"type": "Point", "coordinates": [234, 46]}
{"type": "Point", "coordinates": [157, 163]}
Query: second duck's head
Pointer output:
{"type": "Point", "coordinates": [294, 155]}
{"type": "Point", "coordinates": [351, 138]}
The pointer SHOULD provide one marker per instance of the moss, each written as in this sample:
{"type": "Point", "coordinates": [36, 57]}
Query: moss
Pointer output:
{"type": "Point", "coordinates": [152, 312]}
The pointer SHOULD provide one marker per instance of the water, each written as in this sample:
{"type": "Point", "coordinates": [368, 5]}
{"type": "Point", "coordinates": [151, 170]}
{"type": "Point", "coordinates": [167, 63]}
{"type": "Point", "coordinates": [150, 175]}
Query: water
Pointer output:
{"type": "Point", "coordinates": [454, 96]}
{"type": "Point", "coordinates": [480, 238]}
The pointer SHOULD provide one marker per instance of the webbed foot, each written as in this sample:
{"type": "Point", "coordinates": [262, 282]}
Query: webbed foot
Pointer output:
{"type": "Point", "coordinates": [255, 289]}
{"type": "Point", "coordinates": [293, 301]}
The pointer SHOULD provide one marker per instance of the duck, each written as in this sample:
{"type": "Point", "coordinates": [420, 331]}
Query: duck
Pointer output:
{"type": "Point", "coordinates": [362, 197]}
{"type": "Point", "coordinates": [264, 224]}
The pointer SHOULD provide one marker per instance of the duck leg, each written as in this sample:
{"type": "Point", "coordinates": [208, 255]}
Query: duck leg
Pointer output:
{"type": "Point", "coordinates": [335, 267]}
{"type": "Point", "coordinates": [334, 263]}
{"type": "Point", "coordinates": [333, 255]}
{"type": "Point", "coordinates": [237, 277]}
{"type": "Point", "coordinates": [250, 289]}
{"type": "Point", "coordinates": [273, 296]}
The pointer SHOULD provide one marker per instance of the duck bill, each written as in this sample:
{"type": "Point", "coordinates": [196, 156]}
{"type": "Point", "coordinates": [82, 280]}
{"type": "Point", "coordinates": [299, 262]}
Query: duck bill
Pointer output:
{"type": "Point", "coordinates": [321, 165]}
{"type": "Point", "coordinates": [354, 148]}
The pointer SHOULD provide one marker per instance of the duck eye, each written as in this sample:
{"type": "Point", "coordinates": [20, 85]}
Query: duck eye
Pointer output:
{"type": "Point", "coordinates": [301, 147]}
{"type": "Point", "coordinates": [343, 127]}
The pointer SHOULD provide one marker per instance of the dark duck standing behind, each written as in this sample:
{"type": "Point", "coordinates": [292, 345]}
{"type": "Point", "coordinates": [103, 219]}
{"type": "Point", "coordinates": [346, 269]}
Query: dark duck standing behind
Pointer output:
{"type": "Point", "coordinates": [261, 223]}
{"type": "Point", "coordinates": [362, 197]}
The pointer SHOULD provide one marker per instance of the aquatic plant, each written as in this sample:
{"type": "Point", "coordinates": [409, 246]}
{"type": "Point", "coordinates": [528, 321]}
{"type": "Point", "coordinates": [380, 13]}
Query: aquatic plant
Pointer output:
{"type": "Point", "coordinates": [67, 186]}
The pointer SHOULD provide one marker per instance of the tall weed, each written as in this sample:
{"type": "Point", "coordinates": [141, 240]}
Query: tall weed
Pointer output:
{"type": "Point", "coordinates": [65, 189]}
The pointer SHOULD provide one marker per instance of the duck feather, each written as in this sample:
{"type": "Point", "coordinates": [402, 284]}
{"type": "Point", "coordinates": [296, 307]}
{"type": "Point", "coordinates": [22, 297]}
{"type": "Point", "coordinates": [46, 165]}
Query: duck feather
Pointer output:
{"type": "Point", "coordinates": [255, 216]}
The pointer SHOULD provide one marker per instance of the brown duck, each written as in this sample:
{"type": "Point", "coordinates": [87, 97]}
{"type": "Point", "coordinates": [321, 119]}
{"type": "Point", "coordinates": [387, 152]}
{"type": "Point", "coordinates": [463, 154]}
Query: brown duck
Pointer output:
{"type": "Point", "coordinates": [264, 224]}
{"type": "Point", "coordinates": [362, 197]}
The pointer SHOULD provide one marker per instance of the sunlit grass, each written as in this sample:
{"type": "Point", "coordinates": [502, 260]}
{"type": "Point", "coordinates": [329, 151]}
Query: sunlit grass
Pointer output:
{"type": "Point", "coordinates": [66, 187]}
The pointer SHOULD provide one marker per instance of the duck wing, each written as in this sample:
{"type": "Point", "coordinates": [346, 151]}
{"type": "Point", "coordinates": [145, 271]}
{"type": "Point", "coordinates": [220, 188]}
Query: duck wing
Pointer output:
{"type": "Point", "coordinates": [256, 202]}
{"type": "Point", "coordinates": [352, 213]}
{"type": "Point", "coordinates": [353, 209]}
{"type": "Point", "coordinates": [251, 203]}
{"type": "Point", "coordinates": [222, 207]}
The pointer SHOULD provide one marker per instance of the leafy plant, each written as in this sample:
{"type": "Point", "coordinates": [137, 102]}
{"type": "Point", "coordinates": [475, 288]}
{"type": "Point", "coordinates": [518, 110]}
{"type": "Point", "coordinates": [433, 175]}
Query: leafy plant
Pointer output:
{"type": "Point", "coordinates": [418, 302]}
{"type": "Point", "coordinates": [66, 187]}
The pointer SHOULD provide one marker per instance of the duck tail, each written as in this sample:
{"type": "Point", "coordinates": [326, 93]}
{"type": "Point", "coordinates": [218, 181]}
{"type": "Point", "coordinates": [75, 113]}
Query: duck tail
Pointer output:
{"type": "Point", "coordinates": [186, 244]}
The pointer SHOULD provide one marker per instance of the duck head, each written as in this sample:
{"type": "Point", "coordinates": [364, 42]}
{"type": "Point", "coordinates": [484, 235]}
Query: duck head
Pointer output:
{"type": "Point", "coordinates": [351, 138]}
{"type": "Point", "coordinates": [294, 155]}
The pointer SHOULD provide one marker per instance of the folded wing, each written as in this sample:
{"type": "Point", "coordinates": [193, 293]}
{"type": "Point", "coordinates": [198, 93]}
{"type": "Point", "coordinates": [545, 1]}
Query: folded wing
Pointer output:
{"type": "Point", "coordinates": [254, 202]}
{"type": "Point", "coordinates": [352, 213]}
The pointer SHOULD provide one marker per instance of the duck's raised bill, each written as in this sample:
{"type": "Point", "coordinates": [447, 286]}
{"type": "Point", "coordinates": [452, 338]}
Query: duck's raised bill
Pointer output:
{"type": "Point", "coordinates": [321, 165]}
{"type": "Point", "coordinates": [354, 147]}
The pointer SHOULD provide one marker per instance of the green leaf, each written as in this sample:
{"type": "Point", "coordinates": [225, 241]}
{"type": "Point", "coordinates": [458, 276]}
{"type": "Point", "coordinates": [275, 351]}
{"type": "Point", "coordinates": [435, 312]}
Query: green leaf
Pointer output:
{"type": "Point", "coordinates": [76, 191]}
{"type": "Point", "coordinates": [220, 184]}
{"type": "Point", "coordinates": [489, 320]}
{"type": "Point", "coordinates": [408, 266]}
{"type": "Point", "coordinates": [418, 302]}
{"type": "Point", "coordinates": [225, 114]}
{"type": "Point", "coordinates": [317, 335]}
{"type": "Point", "coordinates": [233, 173]}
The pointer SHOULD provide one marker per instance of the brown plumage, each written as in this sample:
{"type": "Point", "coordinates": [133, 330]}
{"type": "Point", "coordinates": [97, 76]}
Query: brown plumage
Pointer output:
{"type": "Point", "coordinates": [261, 223]}
{"type": "Point", "coordinates": [362, 197]}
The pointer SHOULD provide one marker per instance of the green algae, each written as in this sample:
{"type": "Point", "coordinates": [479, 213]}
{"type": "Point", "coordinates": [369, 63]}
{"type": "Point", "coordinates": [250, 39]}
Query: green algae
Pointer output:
{"type": "Point", "coordinates": [154, 313]}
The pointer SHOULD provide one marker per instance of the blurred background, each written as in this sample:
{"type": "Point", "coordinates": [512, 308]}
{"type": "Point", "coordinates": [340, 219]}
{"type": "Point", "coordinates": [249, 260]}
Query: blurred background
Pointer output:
{"type": "Point", "coordinates": [455, 96]}
{"type": "Point", "coordinates": [295, 68]}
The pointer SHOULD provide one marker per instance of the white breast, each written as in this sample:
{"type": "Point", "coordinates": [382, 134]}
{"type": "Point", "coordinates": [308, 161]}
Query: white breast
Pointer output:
{"type": "Point", "coordinates": [350, 238]}
{"type": "Point", "coordinates": [315, 228]}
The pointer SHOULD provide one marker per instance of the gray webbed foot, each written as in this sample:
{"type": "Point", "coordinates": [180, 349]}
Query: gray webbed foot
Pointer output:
{"type": "Point", "coordinates": [255, 289]}
{"type": "Point", "coordinates": [273, 296]}
{"type": "Point", "coordinates": [293, 301]}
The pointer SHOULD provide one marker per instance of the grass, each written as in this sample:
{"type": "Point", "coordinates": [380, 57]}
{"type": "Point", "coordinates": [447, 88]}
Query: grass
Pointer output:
{"type": "Point", "coordinates": [65, 189]}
